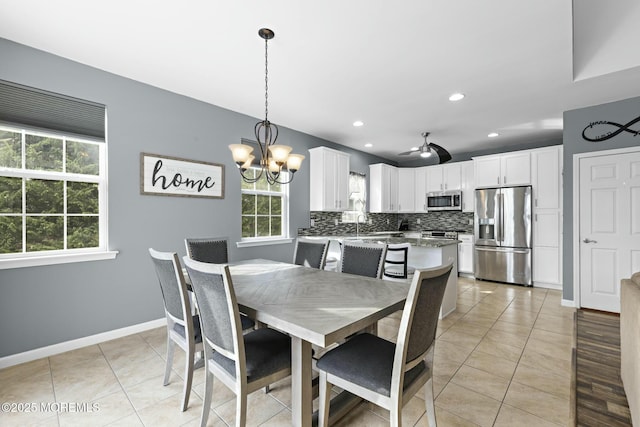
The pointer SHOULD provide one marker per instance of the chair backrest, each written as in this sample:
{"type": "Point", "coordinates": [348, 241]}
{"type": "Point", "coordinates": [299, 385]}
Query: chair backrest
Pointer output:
{"type": "Point", "coordinates": [172, 285]}
{"type": "Point", "coordinates": [397, 255]}
{"type": "Point", "coordinates": [311, 252]}
{"type": "Point", "coordinates": [419, 322]}
{"type": "Point", "coordinates": [363, 259]}
{"type": "Point", "coordinates": [210, 249]}
{"type": "Point", "coordinates": [217, 304]}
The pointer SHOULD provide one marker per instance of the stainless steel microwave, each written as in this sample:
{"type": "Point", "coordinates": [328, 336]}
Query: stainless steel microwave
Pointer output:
{"type": "Point", "coordinates": [444, 201]}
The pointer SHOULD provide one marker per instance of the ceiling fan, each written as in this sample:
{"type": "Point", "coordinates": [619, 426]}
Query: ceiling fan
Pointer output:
{"type": "Point", "coordinates": [428, 149]}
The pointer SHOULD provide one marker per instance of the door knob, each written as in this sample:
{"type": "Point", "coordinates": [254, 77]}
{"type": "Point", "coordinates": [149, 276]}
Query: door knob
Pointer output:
{"type": "Point", "coordinates": [587, 240]}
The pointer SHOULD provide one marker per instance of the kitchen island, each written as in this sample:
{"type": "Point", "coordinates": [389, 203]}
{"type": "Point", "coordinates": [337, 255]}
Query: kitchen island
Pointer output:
{"type": "Point", "coordinates": [424, 253]}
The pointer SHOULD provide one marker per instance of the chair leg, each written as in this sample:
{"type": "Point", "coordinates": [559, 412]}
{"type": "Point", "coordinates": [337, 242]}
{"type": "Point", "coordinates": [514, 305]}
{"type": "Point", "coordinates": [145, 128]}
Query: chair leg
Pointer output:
{"type": "Point", "coordinates": [169, 364]}
{"type": "Point", "coordinates": [395, 416]}
{"type": "Point", "coordinates": [324, 400]}
{"type": "Point", "coordinates": [208, 391]}
{"type": "Point", "coordinates": [428, 400]}
{"type": "Point", "coordinates": [188, 376]}
{"type": "Point", "coordinates": [241, 409]}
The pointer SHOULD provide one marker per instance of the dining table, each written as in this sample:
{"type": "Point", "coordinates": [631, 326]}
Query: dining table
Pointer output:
{"type": "Point", "coordinates": [314, 307]}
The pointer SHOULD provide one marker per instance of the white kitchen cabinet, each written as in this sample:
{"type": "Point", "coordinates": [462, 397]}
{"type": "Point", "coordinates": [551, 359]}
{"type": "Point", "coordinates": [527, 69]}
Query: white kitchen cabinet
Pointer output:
{"type": "Point", "coordinates": [546, 228]}
{"type": "Point", "coordinates": [383, 188]}
{"type": "Point", "coordinates": [421, 189]}
{"type": "Point", "coordinates": [546, 171]}
{"type": "Point", "coordinates": [406, 190]}
{"type": "Point", "coordinates": [547, 267]}
{"type": "Point", "coordinates": [444, 177]}
{"type": "Point", "coordinates": [468, 186]}
{"type": "Point", "coordinates": [503, 170]}
{"type": "Point", "coordinates": [329, 180]}
{"type": "Point", "coordinates": [465, 253]}
{"type": "Point", "coordinates": [547, 177]}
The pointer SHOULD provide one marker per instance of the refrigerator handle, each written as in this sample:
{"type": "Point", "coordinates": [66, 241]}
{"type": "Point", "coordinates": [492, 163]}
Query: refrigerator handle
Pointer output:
{"type": "Point", "coordinates": [501, 217]}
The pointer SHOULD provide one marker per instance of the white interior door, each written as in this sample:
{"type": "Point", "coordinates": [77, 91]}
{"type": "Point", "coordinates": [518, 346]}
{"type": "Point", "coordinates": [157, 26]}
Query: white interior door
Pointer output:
{"type": "Point", "coordinates": [609, 227]}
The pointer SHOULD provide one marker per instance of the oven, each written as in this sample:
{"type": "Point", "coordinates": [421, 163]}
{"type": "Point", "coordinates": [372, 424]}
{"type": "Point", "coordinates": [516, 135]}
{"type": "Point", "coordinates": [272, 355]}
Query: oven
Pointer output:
{"type": "Point", "coordinates": [440, 234]}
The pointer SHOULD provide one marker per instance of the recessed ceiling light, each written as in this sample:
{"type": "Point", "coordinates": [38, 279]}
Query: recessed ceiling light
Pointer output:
{"type": "Point", "coordinates": [368, 145]}
{"type": "Point", "coordinates": [456, 97]}
{"type": "Point", "coordinates": [358, 123]}
{"type": "Point", "coordinates": [493, 134]}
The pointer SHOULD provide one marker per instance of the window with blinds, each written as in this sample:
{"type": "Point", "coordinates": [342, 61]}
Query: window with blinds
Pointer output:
{"type": "Point", "coordinates": [53, 191]}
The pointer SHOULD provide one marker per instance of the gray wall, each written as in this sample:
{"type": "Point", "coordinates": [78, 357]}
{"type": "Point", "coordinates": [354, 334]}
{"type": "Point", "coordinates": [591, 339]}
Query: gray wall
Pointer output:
{"type": "Point", "coordinates": [40, 306]}
{"type": "Point", "coordinates": [574, 122]}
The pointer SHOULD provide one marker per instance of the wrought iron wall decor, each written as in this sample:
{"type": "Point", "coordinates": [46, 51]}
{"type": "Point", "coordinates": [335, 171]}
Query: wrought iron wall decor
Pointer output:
{"type": "Point", "coordinates": [608, 130]}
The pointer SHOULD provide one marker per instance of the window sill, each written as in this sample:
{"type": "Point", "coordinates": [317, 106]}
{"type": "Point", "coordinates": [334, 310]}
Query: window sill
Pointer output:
{"type": "Point", "coordinates": [35, 261]}
{"type": "Point", "coordinates": [262, 242]}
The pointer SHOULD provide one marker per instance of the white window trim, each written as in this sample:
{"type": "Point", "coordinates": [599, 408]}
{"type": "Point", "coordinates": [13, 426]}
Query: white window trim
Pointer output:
{"type": "Point", "coordinates": [263, 241]}
{"type": "Point", "coordinates": [269, 240]}
{"type": "Point", "coordinates": [34, 259]}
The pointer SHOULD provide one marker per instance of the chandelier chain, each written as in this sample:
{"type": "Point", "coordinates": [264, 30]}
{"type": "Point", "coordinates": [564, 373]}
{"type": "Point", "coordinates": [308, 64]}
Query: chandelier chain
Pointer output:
{"type": "Point", "coordinates": [266, 82]}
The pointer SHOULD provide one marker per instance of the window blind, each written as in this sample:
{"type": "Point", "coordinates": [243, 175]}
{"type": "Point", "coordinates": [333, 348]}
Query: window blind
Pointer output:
{"type": "Point", "coordinates": [28, 106]}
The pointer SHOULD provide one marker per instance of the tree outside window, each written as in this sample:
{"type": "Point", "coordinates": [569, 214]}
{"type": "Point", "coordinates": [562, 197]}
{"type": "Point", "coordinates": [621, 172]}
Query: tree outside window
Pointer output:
{"type": "Point", "coordinates": [264, 208]}
{"type": "Point", "coordinates": [50, 192]}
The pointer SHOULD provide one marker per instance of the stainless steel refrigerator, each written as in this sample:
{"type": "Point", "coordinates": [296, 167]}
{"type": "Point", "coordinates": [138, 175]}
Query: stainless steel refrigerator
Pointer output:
{"type": "Point", "coordinates": [502, 228]}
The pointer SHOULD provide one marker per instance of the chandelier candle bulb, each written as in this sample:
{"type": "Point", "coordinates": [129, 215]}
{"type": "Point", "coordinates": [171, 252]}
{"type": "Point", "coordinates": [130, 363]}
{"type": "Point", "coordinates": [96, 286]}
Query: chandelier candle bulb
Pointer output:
{"type": "Point", "coordinates": [246, 165]}
{"type": "Point", "coordinates": [294, 162]}
{"type": "Point", "coordinates": [273, 167]}
{"type": "Point", "coordinates": [240, 153]}
{"type": "Point", "coordinates": [279, 153]}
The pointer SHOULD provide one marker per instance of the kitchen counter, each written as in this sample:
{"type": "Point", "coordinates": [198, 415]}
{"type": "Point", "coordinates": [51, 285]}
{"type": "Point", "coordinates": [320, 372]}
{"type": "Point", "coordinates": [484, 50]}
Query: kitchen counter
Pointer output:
{"type": "Point", "coordinates": [424, 253]}
{"type": "Point", "coordinates": [429, 242]}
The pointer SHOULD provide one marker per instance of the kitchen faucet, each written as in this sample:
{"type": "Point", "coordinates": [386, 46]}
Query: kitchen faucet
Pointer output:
{"type": "Point", "coordinates": [358, 224]}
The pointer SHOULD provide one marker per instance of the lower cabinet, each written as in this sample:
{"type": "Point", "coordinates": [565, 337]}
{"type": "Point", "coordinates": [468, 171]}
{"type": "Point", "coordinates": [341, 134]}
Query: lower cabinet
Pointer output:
{"type": "Point", "coordinates": [547, 265]}
{"type": "Point", "coordinates": [547, 247]}
{"type": "Point", "coordinates": [465, 253]}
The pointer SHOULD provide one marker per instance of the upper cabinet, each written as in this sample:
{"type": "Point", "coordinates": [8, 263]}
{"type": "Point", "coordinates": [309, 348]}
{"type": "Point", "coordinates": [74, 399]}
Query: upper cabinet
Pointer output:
{"type": "Point", "coordinates": [468, 186]}
{"type": "Point", "coordinates": [444, 177]}
{"type": "Point", "coordinates": [503, 170]}
{"type": "Point", "coordinates": [329, 180]}
{"type": "Point", "coordinates": [406, 190]}
{"type": "Point", "coordinates": [383, 188]}
{"type": "Point", "coordinates": [420, 189]}
{"type": "Point", "coordinates": [546, 166]}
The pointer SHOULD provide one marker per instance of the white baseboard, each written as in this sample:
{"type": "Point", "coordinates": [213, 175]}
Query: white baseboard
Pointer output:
{"type": "Point", "coordinates": [568, 303]}
{"type": "Point", "coordinates": [51, 350]}
{"type": "Point", "coordinates": [547, 285]}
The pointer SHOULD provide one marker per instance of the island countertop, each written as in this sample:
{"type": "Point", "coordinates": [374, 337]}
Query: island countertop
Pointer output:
{"type": "Point", "coordinates": [424, 253]}
{"type": "Point", "coordinates": [428, 242]}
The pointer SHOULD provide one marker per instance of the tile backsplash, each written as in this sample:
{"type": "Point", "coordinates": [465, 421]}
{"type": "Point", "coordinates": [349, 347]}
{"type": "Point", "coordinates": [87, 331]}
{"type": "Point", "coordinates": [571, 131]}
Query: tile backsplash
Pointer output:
{"type": "Point", "coordinates": [330, 223]}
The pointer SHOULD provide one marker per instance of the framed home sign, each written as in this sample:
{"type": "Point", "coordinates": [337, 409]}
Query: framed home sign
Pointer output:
{"type": "Point", "coordinates": [172, 176]}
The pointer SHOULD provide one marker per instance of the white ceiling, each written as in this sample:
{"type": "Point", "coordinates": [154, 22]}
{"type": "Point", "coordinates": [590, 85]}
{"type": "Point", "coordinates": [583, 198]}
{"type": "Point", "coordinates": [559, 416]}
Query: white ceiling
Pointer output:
{"type": "Point", "coordinates": [392, 65]}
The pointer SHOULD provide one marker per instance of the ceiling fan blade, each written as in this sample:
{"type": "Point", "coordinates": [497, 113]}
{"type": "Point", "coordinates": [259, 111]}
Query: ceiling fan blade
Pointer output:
{"type": "Point", "coordinates": [443, 154]}
{"type": "Point", "coordinates": [407, 153]}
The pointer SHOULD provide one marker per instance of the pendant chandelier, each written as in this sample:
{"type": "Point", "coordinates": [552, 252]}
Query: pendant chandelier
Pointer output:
{"type": "Point", "coordinates": [274, 158]}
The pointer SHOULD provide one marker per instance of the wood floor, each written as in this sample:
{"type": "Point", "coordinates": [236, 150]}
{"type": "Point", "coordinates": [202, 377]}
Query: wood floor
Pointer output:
{"type": "Point", "coordinates": [600, 397]}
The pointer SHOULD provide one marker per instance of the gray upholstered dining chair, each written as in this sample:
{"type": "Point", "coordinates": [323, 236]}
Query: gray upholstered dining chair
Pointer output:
{"type": "Point", "coordinates": [396, 263]}
{"type": "Point", "coordinates": [244, 363]}
{"type": "Point", "coordinates": [208, 249]}
{"type": "Point", "coordinates": [311, 252]}
{"type": "Point", "coordinates": [363, 259]}
{"type": "Point", "coordinates": [213, 250]}
{"type": "Point", "coordinates": [385, 373]}
{"type": "Point", "coordinates": [183, 328]}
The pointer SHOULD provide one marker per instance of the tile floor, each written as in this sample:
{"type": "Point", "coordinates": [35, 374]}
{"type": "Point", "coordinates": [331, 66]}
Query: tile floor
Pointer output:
{"type": "Point", "coordinates": [503, 358]}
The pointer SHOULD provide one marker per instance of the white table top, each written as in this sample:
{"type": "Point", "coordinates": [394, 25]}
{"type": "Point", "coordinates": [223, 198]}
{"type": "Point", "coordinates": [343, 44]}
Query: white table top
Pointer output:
{"type": "Point", "coordinates": [321, 307]}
